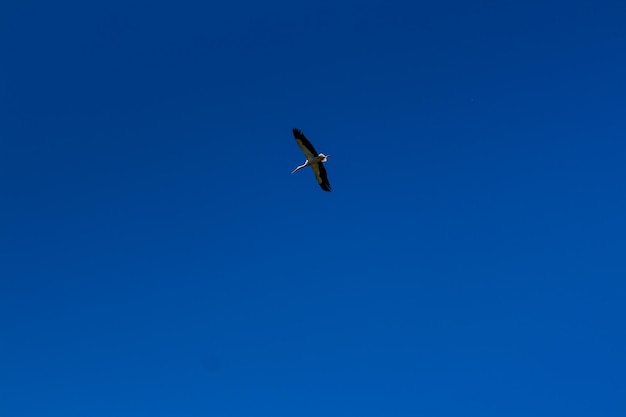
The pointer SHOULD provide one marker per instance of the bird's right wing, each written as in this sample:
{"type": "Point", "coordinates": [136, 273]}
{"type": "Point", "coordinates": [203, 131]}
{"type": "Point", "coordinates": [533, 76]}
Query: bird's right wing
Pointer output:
{"type": "Point", "coordinates": [304, 144]}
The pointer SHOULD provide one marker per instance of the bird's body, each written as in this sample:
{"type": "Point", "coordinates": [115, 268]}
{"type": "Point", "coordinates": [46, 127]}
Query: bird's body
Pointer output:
{"type": "Point", "coordinates": [313, 159]}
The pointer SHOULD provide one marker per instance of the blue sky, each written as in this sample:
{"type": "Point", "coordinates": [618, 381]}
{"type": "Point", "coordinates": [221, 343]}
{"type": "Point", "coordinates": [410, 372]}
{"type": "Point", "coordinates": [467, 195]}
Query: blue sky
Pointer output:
{"type": "Point", "coordinates": [157, 258]}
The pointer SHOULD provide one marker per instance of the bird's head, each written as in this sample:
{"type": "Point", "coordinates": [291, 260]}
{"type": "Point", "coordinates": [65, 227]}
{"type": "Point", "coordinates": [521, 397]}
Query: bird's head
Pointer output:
{"type": "Point", "coordinates": [324, 157]}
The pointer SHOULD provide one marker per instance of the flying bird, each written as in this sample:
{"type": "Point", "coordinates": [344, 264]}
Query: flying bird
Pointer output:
{"type": "Point", "coordinates": [313, 159]}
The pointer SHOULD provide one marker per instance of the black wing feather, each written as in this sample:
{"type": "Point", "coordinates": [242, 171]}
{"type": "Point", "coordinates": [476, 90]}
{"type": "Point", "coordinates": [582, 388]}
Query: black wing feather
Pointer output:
{"type": "Point", "coordinates": [297, 133]}
{"type": "Point", "coordinates": [323, 179]}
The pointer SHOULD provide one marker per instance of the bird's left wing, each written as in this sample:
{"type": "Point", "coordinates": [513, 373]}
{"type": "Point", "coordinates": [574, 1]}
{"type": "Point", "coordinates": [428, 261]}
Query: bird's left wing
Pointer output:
{"type": "Point", "coordinates": [320, 174]}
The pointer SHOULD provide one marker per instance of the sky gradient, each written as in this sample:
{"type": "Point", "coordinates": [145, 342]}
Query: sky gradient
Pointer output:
{"type": "Point", "coordinates": [158, 259]}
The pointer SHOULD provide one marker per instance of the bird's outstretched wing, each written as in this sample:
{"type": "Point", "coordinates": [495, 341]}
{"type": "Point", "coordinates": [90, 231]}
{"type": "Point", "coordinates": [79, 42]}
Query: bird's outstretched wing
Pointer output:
{"type": "Point", "coordinates": [304, 144]}
{"type": "Point", "coordinates": [320, 174]}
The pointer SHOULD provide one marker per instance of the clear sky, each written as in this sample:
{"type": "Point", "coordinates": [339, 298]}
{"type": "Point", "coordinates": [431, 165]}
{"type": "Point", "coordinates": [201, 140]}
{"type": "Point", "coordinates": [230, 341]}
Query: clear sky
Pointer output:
{"type": "Point", "coordinates": [158, 259]}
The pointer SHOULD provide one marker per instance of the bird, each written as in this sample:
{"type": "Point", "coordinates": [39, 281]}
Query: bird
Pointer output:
{"type": "Point", "coordinates": [313, 159]}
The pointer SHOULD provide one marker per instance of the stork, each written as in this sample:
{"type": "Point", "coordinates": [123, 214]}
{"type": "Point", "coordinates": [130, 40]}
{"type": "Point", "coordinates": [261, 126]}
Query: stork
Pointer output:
{"type": "Point", "coordinates": [313, 159]}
